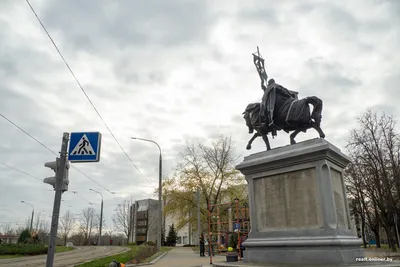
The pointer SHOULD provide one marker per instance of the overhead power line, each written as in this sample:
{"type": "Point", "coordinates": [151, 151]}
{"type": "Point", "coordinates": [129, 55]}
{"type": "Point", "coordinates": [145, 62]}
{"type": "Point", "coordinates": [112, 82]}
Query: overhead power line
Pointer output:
{"type": "Point", "coordinates": [83, 90]}
{"type": "Point", "coordinates": [28, 134]}
{"type": "Point", "coordinates": [47, 148]}
{"type": "Point", "coordinates": [21, 171]}
{"type": "Point", "coordinates": [26, 173]}
{"type": "Point", "coordinates": [51, 151]}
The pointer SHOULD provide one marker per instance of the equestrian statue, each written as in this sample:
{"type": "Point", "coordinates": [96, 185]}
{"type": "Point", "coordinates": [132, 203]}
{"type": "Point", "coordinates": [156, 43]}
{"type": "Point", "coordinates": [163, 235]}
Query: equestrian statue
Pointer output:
{"type": "Point", "coordinates": [280, 109]}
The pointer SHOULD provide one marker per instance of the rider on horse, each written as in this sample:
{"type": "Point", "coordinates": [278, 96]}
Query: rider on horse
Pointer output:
{"type": "Point", "coordinates": [268, 105]}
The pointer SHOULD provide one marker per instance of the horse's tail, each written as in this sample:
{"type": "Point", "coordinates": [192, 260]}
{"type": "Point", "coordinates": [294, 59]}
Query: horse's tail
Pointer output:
{"type": "Point", "coordinates": [317, 104]}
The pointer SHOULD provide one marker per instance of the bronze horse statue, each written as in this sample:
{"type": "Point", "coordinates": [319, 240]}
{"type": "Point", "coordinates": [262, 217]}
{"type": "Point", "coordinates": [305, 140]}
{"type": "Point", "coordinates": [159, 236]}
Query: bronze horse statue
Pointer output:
{"type": "Point", "coordinates": [290, 114]}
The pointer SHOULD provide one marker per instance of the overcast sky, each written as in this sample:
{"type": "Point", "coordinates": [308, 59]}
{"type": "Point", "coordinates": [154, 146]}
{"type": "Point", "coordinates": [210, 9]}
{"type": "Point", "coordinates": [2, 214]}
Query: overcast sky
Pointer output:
{"type": "Point", "coordinates": [175, 71]}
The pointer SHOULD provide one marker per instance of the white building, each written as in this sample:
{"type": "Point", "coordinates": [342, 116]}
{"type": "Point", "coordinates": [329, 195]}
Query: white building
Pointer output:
{"type": "Point", "coordinates": [183, 233]}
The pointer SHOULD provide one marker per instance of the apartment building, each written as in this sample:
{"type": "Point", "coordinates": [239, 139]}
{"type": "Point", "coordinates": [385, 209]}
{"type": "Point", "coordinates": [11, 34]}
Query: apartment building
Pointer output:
{"type": "Point", "coordinates": [143, 221]}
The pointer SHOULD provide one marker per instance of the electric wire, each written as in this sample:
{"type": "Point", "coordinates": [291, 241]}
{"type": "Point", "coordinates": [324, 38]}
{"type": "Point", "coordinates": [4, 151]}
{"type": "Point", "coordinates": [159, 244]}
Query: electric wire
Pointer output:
{"type": "Point", "coordinates": [46, 147]}
{"type": "Point", "coordinates": [83, 90]}
{"type": "Point", "coordinates": [21, 171]}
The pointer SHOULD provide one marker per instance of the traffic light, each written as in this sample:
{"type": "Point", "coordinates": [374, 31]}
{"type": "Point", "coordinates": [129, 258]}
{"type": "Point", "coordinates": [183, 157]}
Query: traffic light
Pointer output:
{"type": "Point", "coordinates": [54, 165]}
{"type": "Point", "coordinates": [65, 177]}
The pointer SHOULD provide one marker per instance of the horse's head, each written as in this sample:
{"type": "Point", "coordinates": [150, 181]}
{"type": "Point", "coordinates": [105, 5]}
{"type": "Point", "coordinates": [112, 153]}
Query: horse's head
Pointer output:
{"type": "Point", "coordinates": [247, 114]}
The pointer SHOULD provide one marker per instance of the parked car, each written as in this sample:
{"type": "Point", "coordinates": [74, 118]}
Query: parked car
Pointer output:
{"type": "Point", "coordinates": [70, 244]}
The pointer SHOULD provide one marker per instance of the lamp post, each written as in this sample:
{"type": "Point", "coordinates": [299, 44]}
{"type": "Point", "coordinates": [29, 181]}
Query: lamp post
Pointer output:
{"type": "Point", "coordinates": [33, 212]}
{"type": "Point", "coordinates": [159, 191]}
{"type": "Point", "coordinates": [238, 225]}
{"type": "Point", "coordinates": [101, 214]}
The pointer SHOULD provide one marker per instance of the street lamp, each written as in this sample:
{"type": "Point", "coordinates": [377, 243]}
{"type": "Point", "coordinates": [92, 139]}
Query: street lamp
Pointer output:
{"type": "Point", "coordinates": [33, 211]}
{"type": "Point", "coordinates": [159, 191]}
{"type": "Point", "coordinates": [101, 214]}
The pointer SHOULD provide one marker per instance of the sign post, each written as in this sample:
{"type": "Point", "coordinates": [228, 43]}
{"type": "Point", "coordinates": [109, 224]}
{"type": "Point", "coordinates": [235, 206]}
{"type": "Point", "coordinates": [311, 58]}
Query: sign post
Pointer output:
{"type": "Point", "coordinates": [60, 172]}
{"type": "Point", "coordinates": [83, 147]}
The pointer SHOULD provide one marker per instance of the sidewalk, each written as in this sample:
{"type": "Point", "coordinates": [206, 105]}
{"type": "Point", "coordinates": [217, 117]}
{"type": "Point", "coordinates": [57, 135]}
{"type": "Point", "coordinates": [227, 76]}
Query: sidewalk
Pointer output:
{"type": "Point", "coordinates": [185, 257]}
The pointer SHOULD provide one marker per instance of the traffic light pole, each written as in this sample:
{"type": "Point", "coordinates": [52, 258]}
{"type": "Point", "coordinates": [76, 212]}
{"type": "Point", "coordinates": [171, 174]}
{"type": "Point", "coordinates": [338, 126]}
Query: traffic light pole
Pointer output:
{"type": "Point", "coordinates": [57, 200]}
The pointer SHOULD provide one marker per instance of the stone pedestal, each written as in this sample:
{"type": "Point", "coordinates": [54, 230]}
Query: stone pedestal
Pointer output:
{"type": "Point", "coordinates": [298, 206]}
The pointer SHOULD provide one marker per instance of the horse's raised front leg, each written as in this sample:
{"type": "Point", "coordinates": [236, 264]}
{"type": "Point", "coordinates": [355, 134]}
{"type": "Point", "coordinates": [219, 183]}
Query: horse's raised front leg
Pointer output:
{"type": "Point", "coordinates": [266, 141]}
{"type": "Point", "coordinates": [293, 136]}
{"type": "Point", "coordinates": [248, 147]}
{"type": "Point", "coordinates": [318, 129]}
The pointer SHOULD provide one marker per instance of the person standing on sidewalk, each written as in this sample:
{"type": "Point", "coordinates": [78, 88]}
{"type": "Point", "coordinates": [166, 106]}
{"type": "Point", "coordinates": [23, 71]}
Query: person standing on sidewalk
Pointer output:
{"type": "Point", "coordinates": [202, 249]}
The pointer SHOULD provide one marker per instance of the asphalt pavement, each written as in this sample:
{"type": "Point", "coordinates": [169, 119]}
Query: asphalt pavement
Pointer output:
{"type": "Point", "coordinates": [185, 257]}
{"type": "Point", "coordinates": [65, 259]}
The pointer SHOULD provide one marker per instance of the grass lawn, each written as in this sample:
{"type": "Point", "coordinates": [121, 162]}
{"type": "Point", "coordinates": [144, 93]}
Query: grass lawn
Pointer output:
{"type": "Point", "coordinates": [155, 256]}
{"type": "Point", "coordinates": [123, 257]}
{"type": "Point", "coordinates": [10, 256]}
{"type": "Point", "coordinates": [58, 249]}
{"type": "Point", "coordinates": [63, 249]}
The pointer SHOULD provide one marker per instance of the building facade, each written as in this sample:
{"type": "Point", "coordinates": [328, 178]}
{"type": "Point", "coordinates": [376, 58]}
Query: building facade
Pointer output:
{"type": "Point", "coordinates": [188, 235]}
{"type": "Point", "coordinates": [183, 233]}
{"type": "Point", "coordinates": [143, 221]}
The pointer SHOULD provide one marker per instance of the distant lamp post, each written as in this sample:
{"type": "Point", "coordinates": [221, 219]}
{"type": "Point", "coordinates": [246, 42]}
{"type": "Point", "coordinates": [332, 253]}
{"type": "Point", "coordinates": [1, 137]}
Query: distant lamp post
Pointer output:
{"type": "Point", "coordinates": [101, 215]}
{"type": "Point", "coordinates": [33, 212]}
{"type": "Point", "coordinates": [159, 230]}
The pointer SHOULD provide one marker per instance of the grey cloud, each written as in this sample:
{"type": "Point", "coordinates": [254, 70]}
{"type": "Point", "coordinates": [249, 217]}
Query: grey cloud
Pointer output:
{"type": "Point", "coordinates": [129, 23]}
{"type": "Point", "coordinates": [268, 14]}
{"type": "Point", "coordinates": [327, 80]}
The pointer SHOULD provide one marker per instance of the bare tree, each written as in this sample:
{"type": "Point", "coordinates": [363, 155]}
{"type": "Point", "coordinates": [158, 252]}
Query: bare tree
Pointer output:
{"type": "Point", "coordinates": [67, 224]}
{"type": "Point", "coordinates": [88, 221]}
{"type": "Point", "coordinates": [7, 230]}
{"type": "Point", "coordinates": [207, 167]}
{"type": "Point", "coordinates": [121, 218]}
{"type": "Point", "coordinates": [375, 171]}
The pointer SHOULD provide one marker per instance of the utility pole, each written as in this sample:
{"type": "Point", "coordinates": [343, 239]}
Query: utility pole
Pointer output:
{"type": "Point", "coordinates": [198, 215]}
{"type": "Point", "coordinates": [190, 227]}
{"type": "Point", "coordinates": [33, 213]}
{"type": "Point", "coordinates": [160, 204]}
{"type": "Point", "coordinates": [397, 230]}
{"type": "Point", "coordinates": [61, 171]}
{"type": "Point", "coordinates": [101, 215]}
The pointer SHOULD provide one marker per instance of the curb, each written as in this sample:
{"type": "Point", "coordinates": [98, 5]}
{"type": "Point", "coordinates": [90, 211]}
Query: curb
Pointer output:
{"type": "Point", "coordinates": [149, 263]}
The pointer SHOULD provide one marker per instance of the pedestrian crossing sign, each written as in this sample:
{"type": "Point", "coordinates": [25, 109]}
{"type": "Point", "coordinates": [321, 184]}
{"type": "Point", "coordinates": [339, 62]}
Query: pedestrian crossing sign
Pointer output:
{"type": "Point", "coordinates": [84, 147]}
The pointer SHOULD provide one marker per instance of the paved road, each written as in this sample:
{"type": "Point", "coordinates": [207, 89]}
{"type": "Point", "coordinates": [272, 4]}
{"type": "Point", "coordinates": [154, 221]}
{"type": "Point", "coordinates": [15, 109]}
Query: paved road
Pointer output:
{"type": "Point", "coordinates": [185, 257]}
{"type": "Point", "coordinates": [65, 259]}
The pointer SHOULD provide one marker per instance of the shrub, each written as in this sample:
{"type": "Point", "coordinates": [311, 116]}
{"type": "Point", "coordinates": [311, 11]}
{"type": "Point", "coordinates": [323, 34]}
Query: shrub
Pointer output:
{"type": "Point", "coordinates": [22, 249]}
{"type": "Point", "coordinates": [189, 246]}
{"type": "Point", "coordinates": [150, 243]}
{"type": "Point", "coordinates": [132, 244]}
{"type": "Point", "coordinates": [233, 241]}
{"type": "Point", "coordinates": [144, 253]}
{"type": "Point", "coordinates": [24, 236]}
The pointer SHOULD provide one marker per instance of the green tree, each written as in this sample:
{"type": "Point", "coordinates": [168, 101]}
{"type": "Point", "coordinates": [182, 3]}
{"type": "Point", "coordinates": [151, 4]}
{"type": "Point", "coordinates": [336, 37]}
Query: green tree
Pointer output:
{"type": "Point", "coordinates": [209, 168]}
{"type": "Point", "coordinates": [172, 236]}
{"type": "Point", "coordinates": [233, 241]}
{"type": "Point", "coordinates": [24, 236]}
